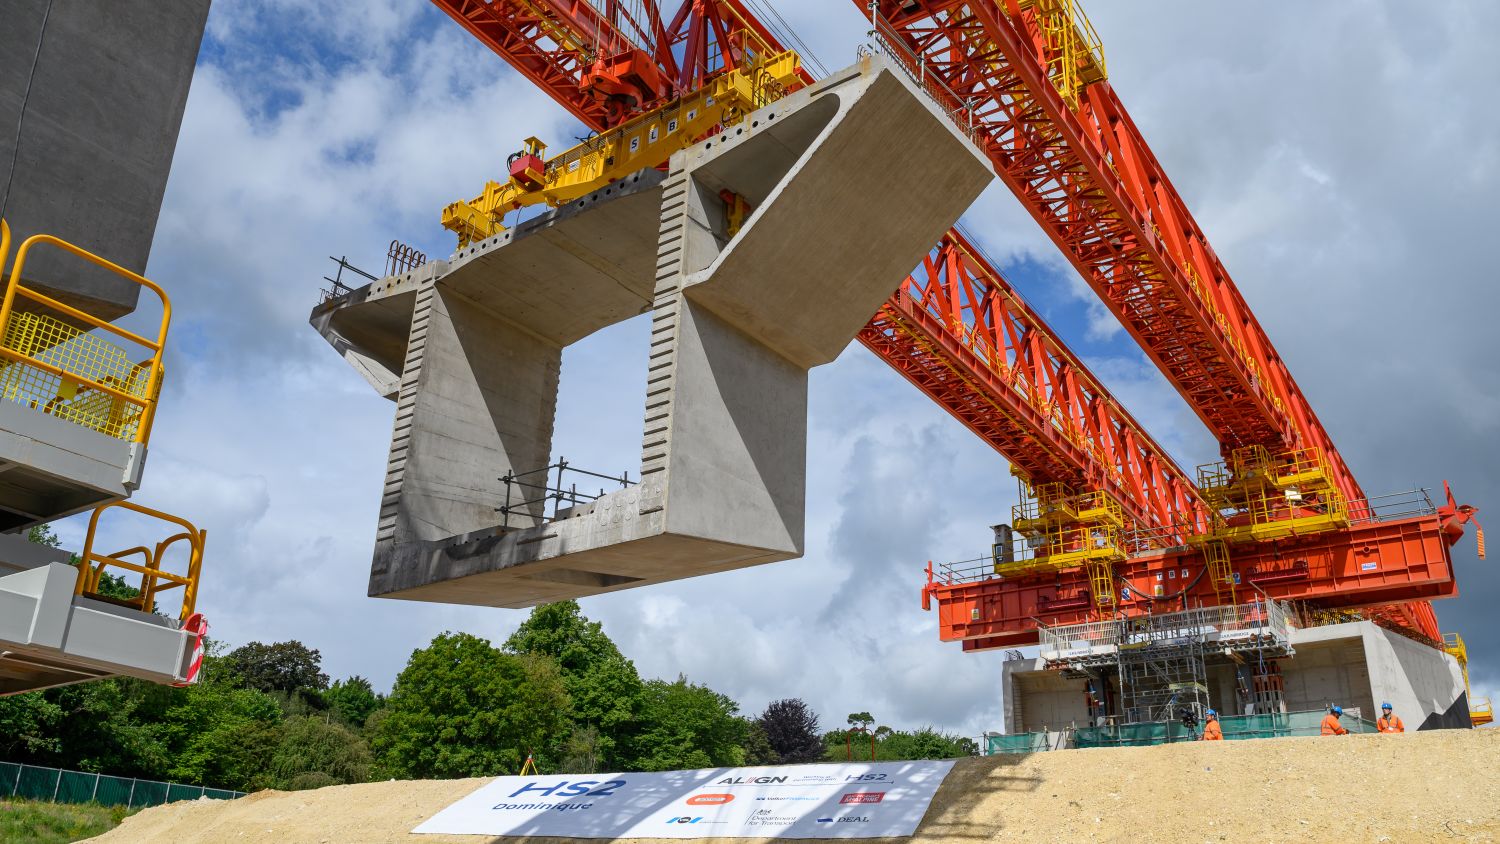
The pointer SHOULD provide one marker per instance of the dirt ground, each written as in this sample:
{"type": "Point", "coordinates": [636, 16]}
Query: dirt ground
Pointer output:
{"type": "Point", "coordinates": [1417, 787]}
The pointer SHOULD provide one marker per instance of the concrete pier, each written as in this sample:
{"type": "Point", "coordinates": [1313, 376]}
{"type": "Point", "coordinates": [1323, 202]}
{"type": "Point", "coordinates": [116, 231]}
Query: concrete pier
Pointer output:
{"type": "Point", "coordinates": [1357, 665]}
{"type": "Point", "coordinates": [851, 181]}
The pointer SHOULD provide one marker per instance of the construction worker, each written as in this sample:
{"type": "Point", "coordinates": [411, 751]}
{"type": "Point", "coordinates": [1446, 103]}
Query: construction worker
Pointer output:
{"type": "Point", "coordinates": [1211, 729]}
{"type": "Point", "coordinates": [1388, 723]}
{"type": "Point", "coordinates": [1331, 725]}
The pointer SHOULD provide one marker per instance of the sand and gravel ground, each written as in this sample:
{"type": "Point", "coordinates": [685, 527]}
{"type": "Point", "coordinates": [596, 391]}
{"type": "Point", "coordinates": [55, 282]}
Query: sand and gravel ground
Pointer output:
{"type": "Point", "coordinates": [1417, 787]}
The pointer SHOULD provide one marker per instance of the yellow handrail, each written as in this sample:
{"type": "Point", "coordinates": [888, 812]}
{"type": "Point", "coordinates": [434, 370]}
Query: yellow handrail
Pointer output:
{"type": "Point", "coordinates": [152, 573]}
{"type": "Point", "coordinates": [146, 398]}
{"type": "Point", "coordinates": [4, 245]}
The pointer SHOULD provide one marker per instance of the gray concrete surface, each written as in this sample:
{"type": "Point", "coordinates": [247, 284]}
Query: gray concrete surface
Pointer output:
{"type": "Point", "coordinates": [17, 553]}
{"type": "Point", "coordinates": [1356, 665]}
{"type": "Point", "coordinates": [91, 99]}
{"type": "Point", "coordinates": [51, 467]}
{"type": "Point", "coordinates": [842, 212]}
{"type": "Point", "coordinates": [49, 637]}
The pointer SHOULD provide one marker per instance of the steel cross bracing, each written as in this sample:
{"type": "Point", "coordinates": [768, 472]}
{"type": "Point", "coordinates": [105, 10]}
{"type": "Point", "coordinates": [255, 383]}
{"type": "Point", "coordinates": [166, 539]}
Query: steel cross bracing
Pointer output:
{"type": "Point", "coordinates": [958, 331]}
{"type": "Point", "coordinates": [955, 328]}
{"type": "Point", "coordinates": [604, 61]}
{"type": "Point", "coordinates": [1091, 181]}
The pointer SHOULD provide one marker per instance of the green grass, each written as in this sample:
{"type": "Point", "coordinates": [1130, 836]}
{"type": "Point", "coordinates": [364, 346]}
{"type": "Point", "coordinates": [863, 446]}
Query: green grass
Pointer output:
{"type": "Point", "coordinates": [56, 823]}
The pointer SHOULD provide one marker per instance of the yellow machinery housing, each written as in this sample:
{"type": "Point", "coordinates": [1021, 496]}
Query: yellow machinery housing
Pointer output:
{"type": "Point", "coordinates": [644, 141]}
{"type": "Point", "coordinates": [1065, 529]}
{"type": "Point", "coordinates": [1257, 496]}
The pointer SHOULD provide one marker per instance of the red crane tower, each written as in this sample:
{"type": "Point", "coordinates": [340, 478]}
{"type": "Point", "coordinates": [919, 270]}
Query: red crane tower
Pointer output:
{"type": "Point", "coordinates": [1105, 511]}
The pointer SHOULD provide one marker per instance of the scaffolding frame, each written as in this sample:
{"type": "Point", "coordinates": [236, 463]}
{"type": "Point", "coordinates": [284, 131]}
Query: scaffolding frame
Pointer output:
{"type": "Point", "coordinates": [1161, 661]}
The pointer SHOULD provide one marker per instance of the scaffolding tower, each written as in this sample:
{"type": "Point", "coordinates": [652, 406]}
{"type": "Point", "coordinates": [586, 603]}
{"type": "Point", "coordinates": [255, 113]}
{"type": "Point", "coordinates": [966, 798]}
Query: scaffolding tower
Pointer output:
{"type": "Point", "coordinates": [1160, 661]}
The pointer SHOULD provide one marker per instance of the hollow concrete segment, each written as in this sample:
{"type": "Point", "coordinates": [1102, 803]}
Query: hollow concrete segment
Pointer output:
{"type": "Point", "coordinates": [851, 182]}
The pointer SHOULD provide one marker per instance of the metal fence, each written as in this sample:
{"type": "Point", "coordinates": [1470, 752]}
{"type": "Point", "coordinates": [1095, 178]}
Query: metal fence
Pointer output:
{"type": "Point", "coordinates": [1235, 727]}
{"type": "Point", "coordinates": [32, 782]}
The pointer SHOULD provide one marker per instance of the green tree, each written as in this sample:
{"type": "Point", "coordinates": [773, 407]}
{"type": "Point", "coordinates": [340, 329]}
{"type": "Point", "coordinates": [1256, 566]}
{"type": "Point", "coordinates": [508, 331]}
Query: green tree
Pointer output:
{"type": "Point", "coordinates": [28, 727]}
{"type": "Point", "coordinates": [461, 708]}
{"type": "Point", "coordinates": [287, 667]}
{"type": "Point", "coordinates": [606, 692]}
{"type": "Point", "coordinates": [791, 728]}
{"type": "Point", "coordinates": [313, 753]}
{"type": "Point", "coordinates": [685, 725]}
{"type": "Point", "coordinates": [43, 534]}
{"type": "Point", "coordinates": [221, 735]}
{"type": "Point", "coordinates": [758, 750]}
{"type": "Point", "coordinates": [925, 743]}
{"type": "Point", "coordinates": [352, 700]}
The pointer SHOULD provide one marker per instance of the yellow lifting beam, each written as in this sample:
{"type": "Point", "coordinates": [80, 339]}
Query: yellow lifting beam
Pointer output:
{"type": "Point", "coordinates": [647, 140]}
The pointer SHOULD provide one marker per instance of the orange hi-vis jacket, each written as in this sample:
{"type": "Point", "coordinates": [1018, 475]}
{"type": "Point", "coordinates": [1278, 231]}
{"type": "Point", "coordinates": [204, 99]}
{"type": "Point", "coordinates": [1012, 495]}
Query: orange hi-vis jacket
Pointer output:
{"type": "Point", "coordinates": [1390, 725]}
{"type": "Point", "coordinates": [1332, 727]}
{"type": "Point", "coordinates": [1212, 731]}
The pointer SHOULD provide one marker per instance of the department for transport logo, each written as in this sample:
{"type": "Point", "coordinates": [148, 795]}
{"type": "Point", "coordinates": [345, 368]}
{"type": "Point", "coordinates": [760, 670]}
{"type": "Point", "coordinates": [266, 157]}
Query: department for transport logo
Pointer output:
{"type": "Point", "coordinates": [863, 797]}
{"type": "Point", "coordinates": [709, 799]}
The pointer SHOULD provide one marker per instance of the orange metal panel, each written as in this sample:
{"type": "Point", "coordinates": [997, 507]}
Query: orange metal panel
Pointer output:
{"type": "Point", "coordinates": [1370, 565]}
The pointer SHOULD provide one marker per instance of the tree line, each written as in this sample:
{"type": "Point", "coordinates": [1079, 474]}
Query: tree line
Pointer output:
{"type": "Point", "coordinates": [558, 690]}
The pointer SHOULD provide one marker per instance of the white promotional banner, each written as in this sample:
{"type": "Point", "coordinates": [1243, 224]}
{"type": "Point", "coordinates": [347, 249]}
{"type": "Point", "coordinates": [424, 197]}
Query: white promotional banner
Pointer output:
{"type": "Point", "coordinates": [868, 800]}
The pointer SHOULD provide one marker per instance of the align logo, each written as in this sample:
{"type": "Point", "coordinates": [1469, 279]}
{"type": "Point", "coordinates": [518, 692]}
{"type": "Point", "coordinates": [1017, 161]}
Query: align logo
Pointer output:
{"type": "Point", "coordinates": [709, 799]}
{"type": "Point", "coordinates": [863, 797]}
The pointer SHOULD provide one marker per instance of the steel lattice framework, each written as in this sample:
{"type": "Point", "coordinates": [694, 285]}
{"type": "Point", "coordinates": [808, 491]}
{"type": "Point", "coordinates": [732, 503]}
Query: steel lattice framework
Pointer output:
{"type": "Point", "coordinates": [955, 328]}
{"type": "Point", "coordinates": [958, 331]}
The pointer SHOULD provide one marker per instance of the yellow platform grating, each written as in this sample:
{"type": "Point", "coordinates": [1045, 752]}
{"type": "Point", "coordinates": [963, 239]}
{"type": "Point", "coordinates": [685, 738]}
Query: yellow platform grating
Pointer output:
{"type": "Point", "coordinates": [50, 341]}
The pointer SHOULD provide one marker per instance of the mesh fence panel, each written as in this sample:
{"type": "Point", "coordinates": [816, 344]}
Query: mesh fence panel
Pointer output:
{"type": "Point", "coordinates": [148, 793]}
{"type": "Point", "coordinates": [75, 787]}
{"type": "Point", "coordinates": [178, 791]}
{"type": "Point", "coordinates": [1017, 743]}
{"type": "Point", "coordinates": [9, 773]}
{"type": "Point", "coordinates": [37, 783]}
{"type": "Point", "coordinates": [1236, 728]}
{"type": "Point", "coordinates": [49, 784]}
{"type": "Point", "coordinates": [113, 791]}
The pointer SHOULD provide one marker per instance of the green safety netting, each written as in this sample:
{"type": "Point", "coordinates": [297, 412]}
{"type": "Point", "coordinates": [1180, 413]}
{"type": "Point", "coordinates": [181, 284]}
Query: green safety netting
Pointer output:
{"type": "Point", "coordinates": [31, 782]}
{"type": "Point", "coordinates": [1236, 727]}
{"type": "Point", "coordinates": [1016, 743]}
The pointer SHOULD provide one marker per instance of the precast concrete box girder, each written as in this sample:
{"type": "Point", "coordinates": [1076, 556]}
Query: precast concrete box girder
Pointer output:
{"type": "Point", "coordinates": [850, 182]}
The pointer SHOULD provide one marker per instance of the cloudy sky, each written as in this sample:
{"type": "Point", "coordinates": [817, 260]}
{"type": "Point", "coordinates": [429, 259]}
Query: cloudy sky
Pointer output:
{"type": "Point", "coordinates": [1341, 157]}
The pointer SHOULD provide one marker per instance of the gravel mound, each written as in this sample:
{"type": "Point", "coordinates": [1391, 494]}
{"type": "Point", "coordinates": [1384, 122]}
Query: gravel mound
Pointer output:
{"type": "Point", "coordinates": [1416, 787]}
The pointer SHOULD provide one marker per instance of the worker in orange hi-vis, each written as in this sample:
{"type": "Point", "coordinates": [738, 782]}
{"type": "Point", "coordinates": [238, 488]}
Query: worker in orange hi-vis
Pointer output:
{"type": "Point", "coordinates": [1211, 729]}
{"type": "Point", "coordinates": [1331, 725]}
{"type": "Point", "coordinates": [1387, 722]}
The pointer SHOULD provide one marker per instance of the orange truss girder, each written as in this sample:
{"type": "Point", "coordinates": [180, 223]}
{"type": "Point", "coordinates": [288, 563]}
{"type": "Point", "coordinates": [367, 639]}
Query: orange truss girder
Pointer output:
{"type": "Point", "coordinates": [1093, 184]}
{"type": "Point", "coordinates": [959, 332]}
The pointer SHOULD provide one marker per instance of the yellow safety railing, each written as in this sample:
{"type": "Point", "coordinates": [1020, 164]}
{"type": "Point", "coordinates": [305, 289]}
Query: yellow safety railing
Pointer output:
{"type": "Point", "coordinates": [154, 578]}
{"type": "Point", "coordinates": [63, 370]}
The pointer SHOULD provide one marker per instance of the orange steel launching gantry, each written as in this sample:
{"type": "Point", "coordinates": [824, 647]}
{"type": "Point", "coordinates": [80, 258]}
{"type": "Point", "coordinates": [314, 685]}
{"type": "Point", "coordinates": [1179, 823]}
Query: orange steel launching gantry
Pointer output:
{"type": "Point", "coordinates": [1106, 514]}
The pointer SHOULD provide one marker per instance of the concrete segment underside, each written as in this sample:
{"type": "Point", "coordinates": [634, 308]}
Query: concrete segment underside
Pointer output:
{"type": "Point", "coordinates": [91, 98]}
{"type": "Point", "coordinates": [841, 212]}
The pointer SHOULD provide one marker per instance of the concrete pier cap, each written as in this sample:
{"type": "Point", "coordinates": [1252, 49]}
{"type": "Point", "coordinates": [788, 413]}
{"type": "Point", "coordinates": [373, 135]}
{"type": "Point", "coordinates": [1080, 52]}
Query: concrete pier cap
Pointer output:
{"type": "Point", "coordinates": [850, 183]}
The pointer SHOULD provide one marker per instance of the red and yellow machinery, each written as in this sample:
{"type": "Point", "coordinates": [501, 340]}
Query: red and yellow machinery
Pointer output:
{"type": "Point", "coordinates": [1109, 524]}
